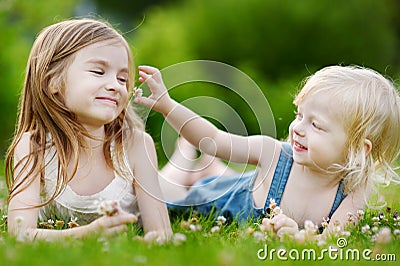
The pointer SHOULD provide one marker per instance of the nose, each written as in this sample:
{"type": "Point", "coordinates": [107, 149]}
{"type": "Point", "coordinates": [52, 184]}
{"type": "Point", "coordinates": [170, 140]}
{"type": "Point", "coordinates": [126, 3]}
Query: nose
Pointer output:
{"type": "Point", "coordinates": [110, 88]}
{"type": "Point", "coordinates": [298, 128]}
{"type": "Point", "coordinates": [114, 85]}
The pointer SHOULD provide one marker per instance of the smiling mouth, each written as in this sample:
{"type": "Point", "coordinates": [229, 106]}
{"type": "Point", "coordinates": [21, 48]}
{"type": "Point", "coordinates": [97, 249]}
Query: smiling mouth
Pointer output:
{"type": "Point", "coordinates": [299, 147]}
{"type": "Point", "coordinates": [106, 99]}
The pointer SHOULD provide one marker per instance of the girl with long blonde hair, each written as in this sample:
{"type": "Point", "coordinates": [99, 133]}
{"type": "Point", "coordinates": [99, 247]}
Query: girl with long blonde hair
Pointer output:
{"type": "Point", "coordinates": [78, 142]}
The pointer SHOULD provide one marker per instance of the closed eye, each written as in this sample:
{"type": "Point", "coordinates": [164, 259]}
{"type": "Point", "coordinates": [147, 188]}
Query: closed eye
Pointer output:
{"type": "Point", "coordinates": [97, 72]}
{"type": "Point", "coordinates": [316, 126]}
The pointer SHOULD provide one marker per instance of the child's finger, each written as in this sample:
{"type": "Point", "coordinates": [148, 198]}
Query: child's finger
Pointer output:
{"type": "Point", "coordinates": [144, 77]}
{"type": "Point", "coordinates": [116, 220]}
{"type": "Point", "coordinates": [115, 230]}
{"type": "Point", "coordinates": [151, 71]}
{"type": "Point", "coordinates": [149, 79]}
{"type": "Point", "coordinates": [148, 69]}
{"type": "Point", "coordinates": [281, 221]}
{"type": "Point", "coordinates": [278, 220]}
{"type": "Point", "coordinates": [287, 231]}
{"type": "Point", "coordinates": [144, 101]}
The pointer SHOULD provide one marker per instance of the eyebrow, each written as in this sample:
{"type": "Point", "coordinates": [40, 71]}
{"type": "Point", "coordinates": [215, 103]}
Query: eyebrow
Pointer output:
{"type": "Point", "coordinates": [320, 119]}
{"type": "Point", "coordinates": [104, 63]}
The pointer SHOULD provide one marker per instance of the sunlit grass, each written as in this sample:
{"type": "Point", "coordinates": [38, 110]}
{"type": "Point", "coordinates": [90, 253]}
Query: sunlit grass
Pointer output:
{"type": "Point", "coordinates": [203, 240]}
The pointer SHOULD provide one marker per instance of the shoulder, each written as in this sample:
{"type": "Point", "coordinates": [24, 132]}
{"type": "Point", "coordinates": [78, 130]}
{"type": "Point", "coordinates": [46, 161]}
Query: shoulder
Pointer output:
{"type": "Point", "coordinates": [25, 138]}
{"type": "Point", "coordinates": [23, 146]}
{"type": "Point", "coordinates": [265, 148]}
{"type": "Point", "coordinates": [140, 147]}
{"type": "Point", "coordinates": [141, 139]}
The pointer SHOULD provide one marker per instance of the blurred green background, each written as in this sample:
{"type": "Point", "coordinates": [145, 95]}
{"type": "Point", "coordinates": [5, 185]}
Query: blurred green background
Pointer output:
{"type": "Point", "coordinates": [277, 43]}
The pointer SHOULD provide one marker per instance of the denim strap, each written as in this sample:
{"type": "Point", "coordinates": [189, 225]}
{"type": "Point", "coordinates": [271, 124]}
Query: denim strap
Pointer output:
{"type": "Point", "coordinates": [281, 175]}
{"type": "Point", "coordinates": [338, 199]}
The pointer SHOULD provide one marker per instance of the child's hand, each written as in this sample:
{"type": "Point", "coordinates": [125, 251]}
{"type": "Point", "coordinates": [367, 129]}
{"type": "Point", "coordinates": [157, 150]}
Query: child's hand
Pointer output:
{"type": "Point", "coordinates": [284, 225]}
{"type": "Point", "coordinates": [159, 93]}
{"type": "Point", "coordinates": [110, 225]}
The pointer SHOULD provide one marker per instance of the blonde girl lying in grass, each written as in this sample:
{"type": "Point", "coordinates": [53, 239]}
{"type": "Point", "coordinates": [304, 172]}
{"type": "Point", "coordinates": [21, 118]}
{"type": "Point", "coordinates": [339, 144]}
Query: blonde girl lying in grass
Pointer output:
{"type": "Point", "coordinates": [346, 130]}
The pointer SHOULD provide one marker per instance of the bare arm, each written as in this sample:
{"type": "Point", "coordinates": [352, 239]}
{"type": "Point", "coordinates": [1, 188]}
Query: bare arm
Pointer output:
{"type": "Point", "coordinates": [152, 206]}
{"type": "Point", "coordinates": [23, 211]}
{"type": "Point", "coordinates": [197, 130]}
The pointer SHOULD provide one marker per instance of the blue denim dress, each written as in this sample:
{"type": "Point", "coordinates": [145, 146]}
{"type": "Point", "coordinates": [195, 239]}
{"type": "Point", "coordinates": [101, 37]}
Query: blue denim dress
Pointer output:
{"type": "Point", "coordinates": [232, 197]}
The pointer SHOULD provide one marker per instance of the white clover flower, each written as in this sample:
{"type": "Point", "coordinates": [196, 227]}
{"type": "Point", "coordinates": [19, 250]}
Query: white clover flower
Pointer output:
{"type": "Point", "coordinates": [384, 236]}
{"type": "Point", "coordinates": [195, 227]}
{"type": "Point", "coordinates": [272, 204]}
{"type": "Point", "coordinates": [336, 229]}
{"type": "Point", "coordinates": [309, 226]}
{"type": "Point", "coordinates": [150, 236]}
{"type": "Point", "coordinates": [185, 225]}
{"type": "Point", "coordinates": [108, 207]}
{"type": "Point", "coordinates": [215, 229]}
{"type": "Point", "coordinates": [350, 218]}
{"type": "Point", "coordinates": [59, 223]}
{"type": "Point", "coordinates": [138, 92]}
{"type": "Point", "coordinates": [221, 220]}
{"type": "Point", "coordinates": [73, 222]}
{"type": "Point", "coordinates": [345, 233]}
{"type": "Point", "coordinates": [375, 229]}
{"type": "Point", "coordinates": [277, 210]}
{"type": "Point", "coordinates": [365, 229]}
{"type": "Point", "coordinates": [178, 239]}
{"type": "Point", "coordinates": [360, 215]}
{"type": "Point", "coordinates": [154, 237]}
{"type": "Point", "coordinates": [258, 236]}
{"type": "Point", "coordinates": [300, 236]}
{"type": "Point", "coordinates": [325, 222]}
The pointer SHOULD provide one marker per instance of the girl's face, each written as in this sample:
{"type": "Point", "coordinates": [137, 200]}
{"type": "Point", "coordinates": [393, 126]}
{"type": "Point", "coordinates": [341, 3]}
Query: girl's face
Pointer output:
{"type": "Point", "coordinates": [317, 135]}
{"type": "Point", "coordinates": [96, 83]}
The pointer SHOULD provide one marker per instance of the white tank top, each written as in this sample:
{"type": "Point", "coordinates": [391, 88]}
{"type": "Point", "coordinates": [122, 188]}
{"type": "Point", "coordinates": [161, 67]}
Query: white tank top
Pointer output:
{"type": "Point", "coordinates": [69, 205]}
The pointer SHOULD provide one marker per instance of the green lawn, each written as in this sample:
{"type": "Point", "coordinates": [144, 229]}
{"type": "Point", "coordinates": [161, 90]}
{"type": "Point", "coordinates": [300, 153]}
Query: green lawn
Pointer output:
{"type": "Point", "coordinates": [231, 245]}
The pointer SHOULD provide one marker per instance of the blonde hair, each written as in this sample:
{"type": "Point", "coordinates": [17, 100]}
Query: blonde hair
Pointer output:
{"type": "Point", "coordinates": [42, 113]}
{"type": "Point", "coordinates": [369, 107]}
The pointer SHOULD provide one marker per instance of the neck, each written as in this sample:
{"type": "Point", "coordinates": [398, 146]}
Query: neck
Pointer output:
{"type": "Point", "coordinates": [319, 178]}
{"type": "Point", "coordinates": [95, 143]}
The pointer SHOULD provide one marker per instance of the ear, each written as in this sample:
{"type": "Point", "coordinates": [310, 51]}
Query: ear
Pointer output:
{"type": "Point", "coordinates": [367, 146]}
{"type": "Point", "coordinates": [55, 84]}
{"type": "Point", "coordinates": [53, 90]}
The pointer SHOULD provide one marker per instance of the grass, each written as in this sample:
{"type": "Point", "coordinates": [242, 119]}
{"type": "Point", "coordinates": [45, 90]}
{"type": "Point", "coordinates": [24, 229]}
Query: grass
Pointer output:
{"type": "Point", "coordinates": [231, 245]}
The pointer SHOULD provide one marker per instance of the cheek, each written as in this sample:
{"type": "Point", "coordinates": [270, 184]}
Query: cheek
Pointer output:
{"type": "Point", "coordinates": [291, 130]}
{"type": "Point", "coordinates": [124, 98]}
